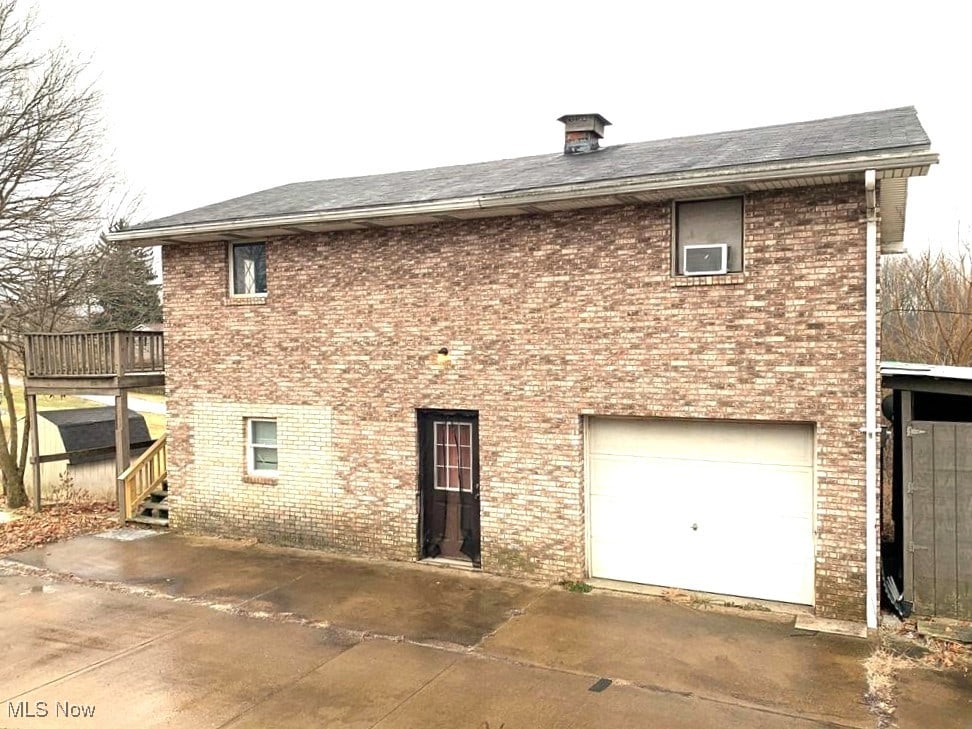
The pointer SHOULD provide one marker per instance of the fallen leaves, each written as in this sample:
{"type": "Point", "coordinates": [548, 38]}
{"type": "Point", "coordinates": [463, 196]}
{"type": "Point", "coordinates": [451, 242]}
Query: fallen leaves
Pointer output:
{"type": "Point", "coordinates": [943, 654]}
{"type": "Point", "coordinates": [54, 523]}
{"type": "Point", "coordinates": [935, 651]}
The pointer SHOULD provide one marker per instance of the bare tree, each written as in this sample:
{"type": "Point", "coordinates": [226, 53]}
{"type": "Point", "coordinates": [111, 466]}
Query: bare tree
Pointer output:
{"type": "Point", "coordinates": [927, 308]}
{"type": "Point", "coordinates": [53, 184]}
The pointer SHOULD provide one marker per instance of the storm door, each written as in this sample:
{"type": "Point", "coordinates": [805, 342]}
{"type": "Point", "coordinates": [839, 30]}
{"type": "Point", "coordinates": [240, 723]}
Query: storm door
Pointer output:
{"type": "Point", "coordinates": [449, 484]}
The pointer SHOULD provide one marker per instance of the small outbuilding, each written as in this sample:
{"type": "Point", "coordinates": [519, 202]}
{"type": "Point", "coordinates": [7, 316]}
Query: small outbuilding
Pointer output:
{"type": "Point", "coordinates": [931, 556]}
{"type": "Point", "coordinates": [86, 439]}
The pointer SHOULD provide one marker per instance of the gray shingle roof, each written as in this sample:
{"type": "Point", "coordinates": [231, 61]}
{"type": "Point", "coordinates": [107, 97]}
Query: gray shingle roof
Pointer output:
{"type": "Point", "coordinates": [85, 428]}
{"type": "Point", "coordinates": [867, 133]}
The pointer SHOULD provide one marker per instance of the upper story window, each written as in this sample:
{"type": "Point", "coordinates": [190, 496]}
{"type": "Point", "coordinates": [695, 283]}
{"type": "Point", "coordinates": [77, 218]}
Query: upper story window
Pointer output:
{"type": "Point", "coordinates": [248, 269]}
{"type": "Point", "coordinates": [709, 237]}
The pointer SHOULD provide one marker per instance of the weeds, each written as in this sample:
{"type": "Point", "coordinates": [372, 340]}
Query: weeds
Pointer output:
{"type": "Point", "coordinates": [576, 586]}
{"type": "Point", "coordinates": [66, 492]}
{"type": "Point", "coordinates": [748, 606]}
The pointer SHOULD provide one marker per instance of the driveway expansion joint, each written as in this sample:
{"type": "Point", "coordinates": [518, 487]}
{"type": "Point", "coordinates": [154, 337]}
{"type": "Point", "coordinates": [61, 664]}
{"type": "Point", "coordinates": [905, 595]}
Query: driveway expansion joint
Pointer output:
{"type": "Point", "coordinates": [511, 615]}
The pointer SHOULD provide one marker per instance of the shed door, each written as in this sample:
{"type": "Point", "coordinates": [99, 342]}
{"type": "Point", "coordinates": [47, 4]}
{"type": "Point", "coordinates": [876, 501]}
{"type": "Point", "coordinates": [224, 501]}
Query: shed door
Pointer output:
{"type": "Point", "coordinates": [722, 507]}
{"type": "Point", "coordinates": [938, 518]}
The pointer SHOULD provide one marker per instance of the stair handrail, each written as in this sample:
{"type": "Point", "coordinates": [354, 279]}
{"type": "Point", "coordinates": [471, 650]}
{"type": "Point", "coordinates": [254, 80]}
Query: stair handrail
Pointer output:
{"type": "Point", "coordinates": [142, 477]}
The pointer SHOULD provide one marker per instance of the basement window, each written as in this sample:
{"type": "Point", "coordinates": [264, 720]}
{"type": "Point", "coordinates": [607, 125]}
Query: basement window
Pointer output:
{"type": "Point", "coordinates": [261, 447]}
{"type": "Point", "coordinates": [708, 237]}
{"type": "Point", "coordinates": [248, 269]}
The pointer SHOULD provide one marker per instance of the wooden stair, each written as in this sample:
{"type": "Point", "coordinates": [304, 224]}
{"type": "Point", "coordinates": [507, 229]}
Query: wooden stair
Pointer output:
{"type": "Point", "coordinates": [154, 508]}
{"type": "Point", "coordinates": [143, 490]}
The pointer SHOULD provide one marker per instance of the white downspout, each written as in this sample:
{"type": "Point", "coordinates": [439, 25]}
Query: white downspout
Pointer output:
{"type": "Point", "coordinates": [871, 430]}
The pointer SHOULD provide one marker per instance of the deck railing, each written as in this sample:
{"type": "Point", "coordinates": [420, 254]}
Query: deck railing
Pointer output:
{"type": "Point", "coordinates": [144, 476]}
{"type": "Point", "coordinates": [94, 354]}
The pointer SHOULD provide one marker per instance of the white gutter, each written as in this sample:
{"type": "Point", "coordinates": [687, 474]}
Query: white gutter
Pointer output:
{"type": "Point", "coordinates": [598, 188]}
{"type": "Point", "coordinates": [871, 429]}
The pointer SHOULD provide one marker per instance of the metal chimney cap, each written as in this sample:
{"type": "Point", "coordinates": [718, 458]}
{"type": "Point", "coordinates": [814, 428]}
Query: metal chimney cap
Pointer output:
{"type": "Point", "coordinates": [585, 123]}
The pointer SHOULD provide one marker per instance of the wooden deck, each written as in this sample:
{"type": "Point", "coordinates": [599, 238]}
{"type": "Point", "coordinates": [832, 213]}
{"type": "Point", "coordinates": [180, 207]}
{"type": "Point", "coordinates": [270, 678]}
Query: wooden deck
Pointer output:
{"type": "Point", "coordinates": [109, 363]}
{"type": "Point", "coordinates": [94, 361]}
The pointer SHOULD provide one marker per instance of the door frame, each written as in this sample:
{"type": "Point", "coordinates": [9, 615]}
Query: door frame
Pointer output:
{"type": "Point", "coordinates": [422, 416]}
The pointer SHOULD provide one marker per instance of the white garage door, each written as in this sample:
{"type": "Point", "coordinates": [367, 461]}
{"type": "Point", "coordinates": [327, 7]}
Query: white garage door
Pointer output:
{"type": "Point", "coordinates": [703, 505]}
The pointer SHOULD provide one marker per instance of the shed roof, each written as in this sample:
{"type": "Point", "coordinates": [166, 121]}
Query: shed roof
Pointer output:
{"type": "Point", "coordinates": [85, 428]}
{"type": "Point", "coordinates": [941, 372]}
{"type": "Point", "coordinates": [894, 135]}
{"type": "Point", "coordinates": [942, 379]}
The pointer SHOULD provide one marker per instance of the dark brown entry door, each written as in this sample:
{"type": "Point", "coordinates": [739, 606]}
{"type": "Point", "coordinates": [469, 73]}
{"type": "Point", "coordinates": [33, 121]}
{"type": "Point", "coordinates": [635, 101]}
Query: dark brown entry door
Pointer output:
{"type": "Point", "coordinates": [449, 483]}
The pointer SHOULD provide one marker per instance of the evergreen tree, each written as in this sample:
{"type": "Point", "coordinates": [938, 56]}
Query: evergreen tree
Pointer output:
{"type": "Point", "coordinates": [124, 294]}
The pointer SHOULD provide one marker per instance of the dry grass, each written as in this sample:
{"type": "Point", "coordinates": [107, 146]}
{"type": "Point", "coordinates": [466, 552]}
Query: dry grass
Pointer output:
{"type": "Point", "coordinates": [47, 402]}
{"type": "Point", "coordinates": [149, 396]}
{"type": "Point", "coordinates": [155, 423]}
{"type": "Point", "coordinates": [885, 665]}
{"type": "Point", "coordinates": [681, 597]}
{"type": "Point", "coordinates": [882, 668]}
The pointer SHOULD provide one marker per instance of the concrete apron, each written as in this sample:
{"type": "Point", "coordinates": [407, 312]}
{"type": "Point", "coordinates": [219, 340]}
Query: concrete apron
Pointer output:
{"type": "Point", "coordinates": [346, 642]}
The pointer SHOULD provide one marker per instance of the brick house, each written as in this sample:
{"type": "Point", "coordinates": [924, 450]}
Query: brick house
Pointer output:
{"type": "Point", "coordinates": [652, 362]}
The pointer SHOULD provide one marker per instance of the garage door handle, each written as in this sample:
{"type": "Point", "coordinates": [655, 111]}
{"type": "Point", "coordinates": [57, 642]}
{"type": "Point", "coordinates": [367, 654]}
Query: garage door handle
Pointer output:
{"type": "Point", "coordinates": [695, 527]}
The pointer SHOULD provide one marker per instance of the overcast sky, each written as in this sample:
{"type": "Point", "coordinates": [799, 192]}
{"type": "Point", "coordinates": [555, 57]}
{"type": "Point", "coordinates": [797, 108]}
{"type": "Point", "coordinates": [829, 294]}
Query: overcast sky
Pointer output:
{"type": "Point", "coordinates": [207, 100]}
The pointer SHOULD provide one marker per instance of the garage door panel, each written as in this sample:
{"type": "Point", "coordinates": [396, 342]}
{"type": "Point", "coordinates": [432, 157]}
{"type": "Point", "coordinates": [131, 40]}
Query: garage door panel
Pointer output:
{"type": "Point", "coordinates": [619, 518]}
{"type": "Point", "coordinates": [709, 440]}
{"type": "Point", "coordinates": [635, 477]}
{"type": "Point", "coordinates": [663, 512]}
{"type": "Point", "coordinates": [662, 482]}
{"type": "Point", "coordinates": [789, 584]}
{"type": "Point", "coordinates": [783, 492]}
{"type": "Point", "coordinates": [617, 561]}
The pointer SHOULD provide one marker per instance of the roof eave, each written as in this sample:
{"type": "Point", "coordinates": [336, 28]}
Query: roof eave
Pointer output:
{"type": "Point", "coordinates": [894, 163]}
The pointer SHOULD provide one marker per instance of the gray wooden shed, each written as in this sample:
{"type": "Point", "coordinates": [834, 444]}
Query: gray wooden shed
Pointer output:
{"type": "Point", "coordinates": [932, 492]}
{"type": "Point", "coordinates": [84, 438]}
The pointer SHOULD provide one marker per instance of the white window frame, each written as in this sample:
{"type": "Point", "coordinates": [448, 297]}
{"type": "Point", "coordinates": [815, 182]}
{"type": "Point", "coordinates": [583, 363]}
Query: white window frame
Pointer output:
{"type": "Point", "coordinates": [252, 445]}
{"type": "Point", "coordinates": [232, 269]}
{"type": "Point", "coordinates": [461, 468]}
{"type": "Point", "coordinates": [678, 249]}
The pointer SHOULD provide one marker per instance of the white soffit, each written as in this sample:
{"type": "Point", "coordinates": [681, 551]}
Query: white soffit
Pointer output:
{"type": "Point", "coordinates": [893, 199]}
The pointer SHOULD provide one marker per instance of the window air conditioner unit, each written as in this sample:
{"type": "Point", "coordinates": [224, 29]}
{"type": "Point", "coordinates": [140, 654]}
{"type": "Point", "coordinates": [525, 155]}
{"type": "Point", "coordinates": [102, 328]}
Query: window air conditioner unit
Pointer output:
{"type": "Point", "coordinates": [705, 260]}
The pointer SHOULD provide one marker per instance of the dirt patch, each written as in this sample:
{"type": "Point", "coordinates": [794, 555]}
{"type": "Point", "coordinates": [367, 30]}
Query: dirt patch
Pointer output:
{"type": "Point", "coordinates": [903, 650]}
{"type": "Point", "coordinates": [54, 523]}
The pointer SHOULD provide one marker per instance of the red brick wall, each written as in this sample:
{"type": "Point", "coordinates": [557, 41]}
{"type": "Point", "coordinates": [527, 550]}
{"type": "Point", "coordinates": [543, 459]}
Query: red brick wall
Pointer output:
{"type": "Point", "coordinates": [549, 318]}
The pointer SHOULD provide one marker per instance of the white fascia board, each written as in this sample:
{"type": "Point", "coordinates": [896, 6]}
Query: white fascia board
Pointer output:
{"type": "Point", "coordinates": [674, 182]}
{"type": "Point", "coordinates": [438, 207]}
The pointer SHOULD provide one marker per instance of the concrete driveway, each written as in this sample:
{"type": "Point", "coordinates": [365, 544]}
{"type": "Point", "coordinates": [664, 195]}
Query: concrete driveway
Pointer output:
{"type": "Point", "coordinates": [169, 630]}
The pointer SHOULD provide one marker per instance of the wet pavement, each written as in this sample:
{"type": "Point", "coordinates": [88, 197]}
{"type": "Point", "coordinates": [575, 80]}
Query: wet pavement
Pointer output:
{"type": "Point", "coordinates": [929, 699]}
{"type": "Point", "coordinates": [178, 631]}
{"type": "Point", "coordinates": [419, 603]}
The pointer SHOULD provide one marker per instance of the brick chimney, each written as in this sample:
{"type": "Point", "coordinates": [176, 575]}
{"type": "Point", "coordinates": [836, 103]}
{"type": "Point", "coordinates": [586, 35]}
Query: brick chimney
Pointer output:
{"type": "Point", "coordinates": [582, 132]}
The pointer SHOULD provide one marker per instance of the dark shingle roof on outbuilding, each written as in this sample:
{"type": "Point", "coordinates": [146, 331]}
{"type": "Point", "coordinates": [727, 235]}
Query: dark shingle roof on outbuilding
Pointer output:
{"type": "Point", "coordinates": [85, 428]}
